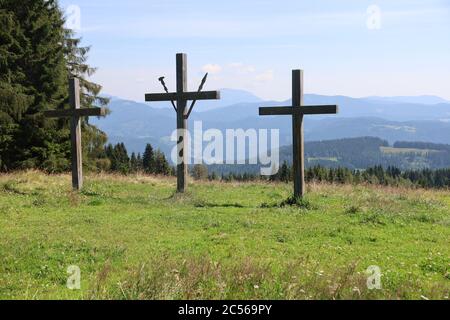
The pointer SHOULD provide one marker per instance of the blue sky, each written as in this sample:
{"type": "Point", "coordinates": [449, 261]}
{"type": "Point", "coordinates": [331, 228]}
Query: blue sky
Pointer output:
{"type": "Point", "coordinates": [254, 45]}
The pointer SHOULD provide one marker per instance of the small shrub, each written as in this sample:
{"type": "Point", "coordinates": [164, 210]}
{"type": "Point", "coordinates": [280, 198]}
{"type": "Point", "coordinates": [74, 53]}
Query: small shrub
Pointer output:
{"type": "Point", "coordinates": [352, 210]}
{"type": "Point", "coordinates": [11, 187]}
{"type": "Point", "coordinates": [372, 218]}
{"type": "Point", "coordinates": [298, 202]}
{"type": "Point", "coordinates": [424, 218]}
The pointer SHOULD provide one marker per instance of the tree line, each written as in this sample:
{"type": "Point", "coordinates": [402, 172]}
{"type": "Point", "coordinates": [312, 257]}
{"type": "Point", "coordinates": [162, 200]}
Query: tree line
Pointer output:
{"type": "Point", "coordinates": [116, 159]}
{"type": "Point", "coordinates": [377, 175]}
{"type": "Point", "coordinates": [422, 145]}
{"type": "Point", "coordinates": [365, 152]}
{"type": "Point", "coordinates": [37, 57]}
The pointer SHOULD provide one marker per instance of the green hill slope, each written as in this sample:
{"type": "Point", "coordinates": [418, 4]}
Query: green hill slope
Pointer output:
{"type": "Point", "coordinates": [132, 238]}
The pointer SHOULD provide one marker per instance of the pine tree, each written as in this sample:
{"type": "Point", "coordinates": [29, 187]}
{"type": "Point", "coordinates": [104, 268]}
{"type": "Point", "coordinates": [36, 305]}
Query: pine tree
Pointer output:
{"type": "Point", "coordinates": [200, 172]}
{"type": "Point", "coordinates": [13, 99]}
{"type": "Point", "coordinates": [133, 163]}
{"type": "Point", "coordinates": [140, 165]}
{"type": "Point", "coordinates": [124, 160]}
{"type": "Point", "coordinates": [118, 156]}
{"type": "Point", "coordinates": [162, 166]}
{"type": "Point", "coordinates": [33, 76]}
{"type": "Point", "coordinates": [37, 56]}
{"type": "Point", "coordinates": [76, 57]}
{"type": "Point", "coordinates": [213, 176]}
{"type": "Point", "coordinates": [285, 173]}
{"type": "Point", "coordinates": [148, 160]}
{"type": "Point", "coordinates": [173, 171]}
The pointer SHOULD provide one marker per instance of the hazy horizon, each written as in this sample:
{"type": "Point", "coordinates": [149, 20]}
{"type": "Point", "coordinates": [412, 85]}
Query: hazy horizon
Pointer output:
{"type": "Point", "coordinates": [108, 94]}
{"type": "Point", "coordinates": [358, 48]}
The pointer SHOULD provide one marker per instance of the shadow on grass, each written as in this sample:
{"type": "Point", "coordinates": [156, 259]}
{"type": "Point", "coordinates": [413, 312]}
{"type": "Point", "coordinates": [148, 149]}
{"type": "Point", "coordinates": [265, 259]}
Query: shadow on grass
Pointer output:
{"type": "Point", "coordinates": [90, 193]}
{"type": "Point", "coordinates": [292, 201]}
{"type": "Point", "coordinates": [12, 187]}
{"type": "Point", "coordinates": [203, 204]}
{"type": "Point", "coordinates": [200, 203]}
{"type": "Point", "coordinates": [176, 196]}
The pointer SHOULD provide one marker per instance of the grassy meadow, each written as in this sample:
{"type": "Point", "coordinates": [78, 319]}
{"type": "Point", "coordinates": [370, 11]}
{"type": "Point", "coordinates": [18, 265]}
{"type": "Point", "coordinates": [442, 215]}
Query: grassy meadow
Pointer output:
{"type": "Point", "coordinates": [134, 238]}
{"type": "Point", "coordinates": [421, 152]}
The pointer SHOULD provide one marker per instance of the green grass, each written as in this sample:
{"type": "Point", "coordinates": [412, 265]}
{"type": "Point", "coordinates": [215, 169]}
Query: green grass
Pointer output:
{"type": "Point", "coordinates": [421, 152]}
{"type": "Point", "coordinates": [332, 159]}
{"type": "Point", "coordinates": [133, 238]}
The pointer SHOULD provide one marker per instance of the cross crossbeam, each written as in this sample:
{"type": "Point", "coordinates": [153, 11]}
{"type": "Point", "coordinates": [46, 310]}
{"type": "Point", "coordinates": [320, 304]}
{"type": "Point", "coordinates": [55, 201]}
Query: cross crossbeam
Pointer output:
{"type": "Point", "coordinates": [188, 96]}
{"type": "Point", "coordinates": [75, 113]}
{"type": "Point", "coordinates": [279, 111]}
{"type": "Point", "coordinates": [181, 97]}
{"type": "Point", "coordinates": [92, 112]}
{"type": "Point", "coordinates": [297, 111]}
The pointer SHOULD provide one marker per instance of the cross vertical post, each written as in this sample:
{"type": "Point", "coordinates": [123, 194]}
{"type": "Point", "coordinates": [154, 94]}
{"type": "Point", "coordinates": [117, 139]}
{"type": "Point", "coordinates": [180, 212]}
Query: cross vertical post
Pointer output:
{"type": "Point", "coordinates": [75, 135]}
{"type": "Point", "coordinates": [297, 111]}
{"type": "Point", "coordinates": [75, 113]}
{"type": "Point", "coordinates": [181, 122]}
{"type": "Point", "coordinates": [297, 134]}
{"type": "Point", "coordinates": [182, 96]}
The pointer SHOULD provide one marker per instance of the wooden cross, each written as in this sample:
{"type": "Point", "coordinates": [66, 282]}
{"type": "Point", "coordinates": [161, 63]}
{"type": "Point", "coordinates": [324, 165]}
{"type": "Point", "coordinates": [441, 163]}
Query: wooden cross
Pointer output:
{"type": "Point", "coordinates": [181, 97]}
{"type": "Point", "coordinates": [75, 113]}
{"type": "Point", "coordinates": [298, 110]}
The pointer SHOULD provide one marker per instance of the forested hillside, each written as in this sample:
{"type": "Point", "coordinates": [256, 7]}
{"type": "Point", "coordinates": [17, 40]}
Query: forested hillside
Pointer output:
{"type": "Point", "coordinates": [361, 153]}
{"type": "Point", "coordinates": [37, 57]}
{"type": "Point", "coordinates": [137, 124]}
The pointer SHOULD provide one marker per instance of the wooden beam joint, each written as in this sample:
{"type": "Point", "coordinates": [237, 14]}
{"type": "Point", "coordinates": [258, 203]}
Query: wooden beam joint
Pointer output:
{"type": "Point", "coordinates": [186, 96]}
{"type": "Point", "coordinates": [304, 110]}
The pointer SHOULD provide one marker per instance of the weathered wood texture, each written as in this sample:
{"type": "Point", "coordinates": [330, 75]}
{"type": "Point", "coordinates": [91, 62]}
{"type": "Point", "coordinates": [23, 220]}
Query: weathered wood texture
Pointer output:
{"type": "Point", "coordinates": [75, 113]}
{"type": "Point", "coordinates": [75, 135]}
{"type": "Point", "coordinates": [66, 113]}
{"type": "Point", "coordinates": [297, 111]}
{"type": "Point", "coordinates": [182, 169]}
{"type": "Point", "coordinates": [297, 134]}
{"type": "Point", "coordinates": [205, 95]}
{"type": "Point", "coordinates": [278, 111]}
{"type": "Point", "coordinates": [181, 96]}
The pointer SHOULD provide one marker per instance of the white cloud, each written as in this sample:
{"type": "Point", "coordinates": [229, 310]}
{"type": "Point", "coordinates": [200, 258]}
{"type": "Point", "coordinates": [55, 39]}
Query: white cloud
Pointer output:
{"type": "Point", "coordinates": [212, 68]}
{"type": "Point", "coordinates": [242, 68]}
{"type": "Point", "coordinates": [266, 76]}
{"type": "Point", "coordinates": [225, 27]}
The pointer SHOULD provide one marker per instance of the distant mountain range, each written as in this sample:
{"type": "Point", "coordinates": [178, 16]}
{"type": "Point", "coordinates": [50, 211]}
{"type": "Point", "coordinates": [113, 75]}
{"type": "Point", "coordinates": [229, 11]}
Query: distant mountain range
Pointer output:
{"type": "Point", "coordinates": [228, 97]}
{"type": "Point", "coordinates": [391, 119]}
{"type": "Point", "coordinates": [415, 100]}
{"type": "Point", "coordinates": [358, 154]}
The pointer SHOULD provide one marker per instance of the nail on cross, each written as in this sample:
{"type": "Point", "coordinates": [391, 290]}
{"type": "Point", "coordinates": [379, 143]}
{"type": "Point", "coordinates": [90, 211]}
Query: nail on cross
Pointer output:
{"type": "Point", "coordinates": [181, 97]}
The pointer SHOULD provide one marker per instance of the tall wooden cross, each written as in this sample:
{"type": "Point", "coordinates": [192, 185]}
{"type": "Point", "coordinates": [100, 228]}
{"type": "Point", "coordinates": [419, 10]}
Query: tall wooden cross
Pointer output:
{"type": "Point", "coordinates": [75, 113]}
{"type": "Point", "coordinates": [182, 97]}
{"type": "Point", "coordinates": [298, 110]}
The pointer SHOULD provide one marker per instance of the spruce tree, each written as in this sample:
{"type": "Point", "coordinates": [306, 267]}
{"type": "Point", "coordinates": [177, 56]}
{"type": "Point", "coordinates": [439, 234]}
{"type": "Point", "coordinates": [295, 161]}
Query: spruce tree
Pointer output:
{"type": "Point", "coordinates": [162, 166]}
{"type": "Point", "coordinates": [76, 57]}
{"type": "Point", "coordinates": [33, 77]}
{"type": "Point", "coordinates": [213, 176]}
{"type": "Point", "coordinates": [133, 163]}
{"type": "Point", "coordinates": [37, 56]}
{"type": "Point", "coordinates": [200, 172]}
{"type": "Point", "coordinates": [148, 160]}
{"type": "Point", "coordinates": [285, 172]}
{"type": "Point", "coordinates": [139, 163]}
{"type": "Point", "coordinates": [123, 161]}
{"type": "Point", "coordinates": [118, 156]}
